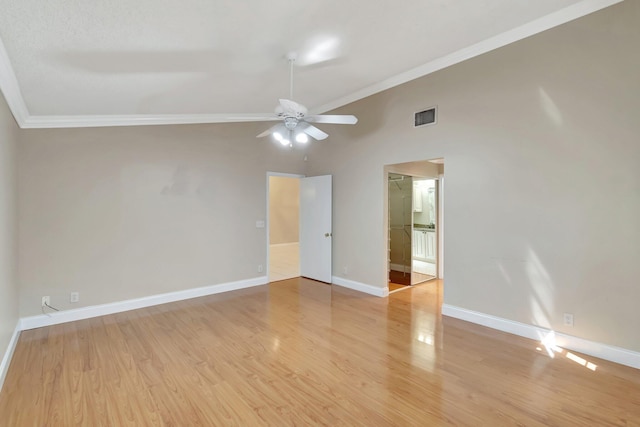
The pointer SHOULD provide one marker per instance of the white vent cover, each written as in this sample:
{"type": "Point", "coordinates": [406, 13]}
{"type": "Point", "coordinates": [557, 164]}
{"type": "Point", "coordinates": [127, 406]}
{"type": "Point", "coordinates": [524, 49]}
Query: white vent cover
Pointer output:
{"type": "Point", "coordinates": [426, 117]}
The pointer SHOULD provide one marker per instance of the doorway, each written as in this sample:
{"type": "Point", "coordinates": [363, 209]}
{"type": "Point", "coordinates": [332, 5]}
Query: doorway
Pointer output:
{"type": "Point", "coordinates": [424, 235]}
{"type": "Point", "coordinates": [284, 227]}
{"type": "Point", "coordinates": [414, 223]}
{"type": "Point", "coordinates": [400, 207]}
{"type": "Point", "coordinates": [299, 221]}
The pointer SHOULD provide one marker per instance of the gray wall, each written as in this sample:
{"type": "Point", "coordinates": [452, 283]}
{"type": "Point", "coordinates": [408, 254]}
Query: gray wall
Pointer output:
{"type": "Point", "coordinates": [540, 141]}
{"type": "Point", "coordinates": [8, 227]}
{"type": "Point", "coordinates": [120, 213]}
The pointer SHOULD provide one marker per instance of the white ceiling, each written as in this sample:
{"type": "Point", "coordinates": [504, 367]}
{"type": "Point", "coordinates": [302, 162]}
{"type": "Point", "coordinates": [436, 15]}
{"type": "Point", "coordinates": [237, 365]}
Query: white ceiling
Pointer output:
{"type": "Point", "coordinates": [118, 62]}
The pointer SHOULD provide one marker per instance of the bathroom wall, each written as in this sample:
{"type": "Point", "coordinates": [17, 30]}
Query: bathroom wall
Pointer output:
{"type": "Point", "coordinates": [425, 215]}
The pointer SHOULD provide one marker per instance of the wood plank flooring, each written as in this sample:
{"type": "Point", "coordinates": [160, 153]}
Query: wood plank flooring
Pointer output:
{"type": "Point", "coordinates": [298, 352]}
{"type": "Point", "coordinates": [395, 286]}
{"type": "Point", "coordinates": [399, 278]}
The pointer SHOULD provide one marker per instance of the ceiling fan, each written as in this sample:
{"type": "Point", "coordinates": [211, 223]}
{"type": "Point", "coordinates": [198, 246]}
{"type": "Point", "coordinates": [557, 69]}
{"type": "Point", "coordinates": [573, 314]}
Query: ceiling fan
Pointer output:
{"type": "Point", "coordinates": [295, 120]}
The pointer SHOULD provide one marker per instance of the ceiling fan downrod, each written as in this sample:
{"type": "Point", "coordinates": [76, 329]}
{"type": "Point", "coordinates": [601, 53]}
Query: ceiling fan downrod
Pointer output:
{"type": "Point", "coordinates": [291, 57]}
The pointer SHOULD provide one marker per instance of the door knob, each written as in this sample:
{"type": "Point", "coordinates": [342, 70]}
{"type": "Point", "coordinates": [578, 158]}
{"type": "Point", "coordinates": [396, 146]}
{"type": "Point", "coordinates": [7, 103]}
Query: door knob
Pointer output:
{"type": "Point", "coordinates": [327, 234]}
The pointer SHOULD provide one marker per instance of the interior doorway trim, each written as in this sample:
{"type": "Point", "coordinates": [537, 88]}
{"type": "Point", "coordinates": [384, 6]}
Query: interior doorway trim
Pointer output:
{"type": "Point", "coordinates": [441, 226]}
{"type": "Point", "coordinates": [416, 169]}
{"type": "Point", "coordinates": [267, 222]}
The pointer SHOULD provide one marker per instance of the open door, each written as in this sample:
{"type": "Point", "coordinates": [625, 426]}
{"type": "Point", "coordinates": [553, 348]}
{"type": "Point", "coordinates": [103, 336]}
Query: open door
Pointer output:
{"type": "Point", "coordinates": [315, 228]}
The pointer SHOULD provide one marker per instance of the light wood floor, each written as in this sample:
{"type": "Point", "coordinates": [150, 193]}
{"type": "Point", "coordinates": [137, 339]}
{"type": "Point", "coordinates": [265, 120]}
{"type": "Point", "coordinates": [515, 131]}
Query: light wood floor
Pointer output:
{"type": "Point", "coordinates": [302, 353]}
{"type": "Point", "coordinates": [396, 286]}
{"type": "Point", "coordinates": [417, 278]}
{"type": "Point", "coordinates": [399, 280]}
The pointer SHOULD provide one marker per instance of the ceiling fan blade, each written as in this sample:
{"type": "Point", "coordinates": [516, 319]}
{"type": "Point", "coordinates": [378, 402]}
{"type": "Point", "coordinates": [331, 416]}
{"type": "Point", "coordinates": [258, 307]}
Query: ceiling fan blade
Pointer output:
{"type": "Point", "coordinates": [334, 119]}
{"type": "Point", "coordinates": [313, 131]}
{"type": "Point", "coordinates": [277, 128]}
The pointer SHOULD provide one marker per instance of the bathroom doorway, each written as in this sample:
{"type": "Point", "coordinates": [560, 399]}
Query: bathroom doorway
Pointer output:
{"type": "Point", "coordinates": [424, 249]}
{"type": "Point", "coordinates": [414, 218]}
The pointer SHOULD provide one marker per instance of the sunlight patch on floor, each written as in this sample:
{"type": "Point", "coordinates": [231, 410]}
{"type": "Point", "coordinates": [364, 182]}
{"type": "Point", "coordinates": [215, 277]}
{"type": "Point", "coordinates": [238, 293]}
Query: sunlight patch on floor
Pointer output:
{"type": "Point", "coordinates": [549, 344]}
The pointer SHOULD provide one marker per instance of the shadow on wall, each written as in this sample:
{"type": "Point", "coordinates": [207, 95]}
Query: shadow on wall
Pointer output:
{"type": "Point", "coordinates": [179, 184]}
{"type": "Point", "coordinates": [542, 288]}
{"type": "Point", "coordinates": [192, 181]}
{"type": "Point", "coordinates": [371, 120]}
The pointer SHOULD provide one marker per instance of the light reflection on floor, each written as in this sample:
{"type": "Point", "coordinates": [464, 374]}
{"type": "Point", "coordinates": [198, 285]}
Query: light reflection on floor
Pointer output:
{"type": "Point", "coordinates": [549, 344]}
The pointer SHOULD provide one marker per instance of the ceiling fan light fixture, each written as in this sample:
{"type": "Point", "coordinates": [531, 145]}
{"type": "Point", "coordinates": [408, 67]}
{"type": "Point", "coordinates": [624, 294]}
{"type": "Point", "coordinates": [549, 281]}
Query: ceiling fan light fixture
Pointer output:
{"type": "Point", "coordinates": [294, 117]}
{"type": "Point", "coordinates": [302, 138]}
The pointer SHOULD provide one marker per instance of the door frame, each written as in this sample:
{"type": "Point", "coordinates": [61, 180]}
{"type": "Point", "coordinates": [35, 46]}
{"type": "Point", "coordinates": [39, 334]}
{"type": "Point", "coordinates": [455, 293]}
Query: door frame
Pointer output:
{"type": "Point", "coordinates": [440, 226]}
{"type": "Point", "coordinates": [409, 169]}
{"type": "Point", "coordinates": [438, 185]}
{"type": "Point", "coordinates": [267, 222]}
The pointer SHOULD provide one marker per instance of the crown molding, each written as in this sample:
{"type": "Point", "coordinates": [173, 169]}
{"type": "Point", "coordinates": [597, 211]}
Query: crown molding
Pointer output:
{"type": "Point", "coordinates": [107, 120]}
{"type": "Point", "coordinates": [539, 25]}
{"type": "Point", "coordinates": [11, 90]}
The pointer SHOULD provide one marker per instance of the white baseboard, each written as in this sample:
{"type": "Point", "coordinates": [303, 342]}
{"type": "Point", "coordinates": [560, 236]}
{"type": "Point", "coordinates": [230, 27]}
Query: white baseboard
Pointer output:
{"type": "Point", "coordinates": [278, 245]}
{"type": "Point", "coordinates": [132, 304]}
{"type": "Point", "coordinates": [602, 351]}
{"type": "Point", "coordinates": [400, 267]}
{"type": "Point", "coordinates": [8, 354]}
{"type": "Point", "coordinates": [424, 267]}
{"type": "Point", "coordinates": [360, 287]}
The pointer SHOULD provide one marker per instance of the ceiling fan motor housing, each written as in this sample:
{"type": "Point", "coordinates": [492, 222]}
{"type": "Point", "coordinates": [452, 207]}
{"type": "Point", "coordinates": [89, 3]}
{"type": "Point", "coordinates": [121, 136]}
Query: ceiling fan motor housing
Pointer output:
{"type": "Point", "coordinates": [296, 122]}
{"type": "Point", "coordinates": [290, 122]}
{"type": "Point", "coordinates": [288, 108]}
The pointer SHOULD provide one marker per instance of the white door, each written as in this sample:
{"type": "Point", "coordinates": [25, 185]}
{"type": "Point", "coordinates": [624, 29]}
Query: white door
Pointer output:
{"type": "Point", "coordinates": [315, 228]}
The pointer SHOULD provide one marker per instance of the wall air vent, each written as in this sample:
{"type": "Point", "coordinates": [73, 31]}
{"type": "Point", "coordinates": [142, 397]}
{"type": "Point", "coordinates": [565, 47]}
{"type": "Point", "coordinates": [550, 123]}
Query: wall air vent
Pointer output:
{"type": "Point", "coordinates": [426, 117]}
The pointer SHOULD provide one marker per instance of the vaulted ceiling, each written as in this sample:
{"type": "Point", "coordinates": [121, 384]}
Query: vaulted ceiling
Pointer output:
{"type": "Point", "coordinates": [122, 62]}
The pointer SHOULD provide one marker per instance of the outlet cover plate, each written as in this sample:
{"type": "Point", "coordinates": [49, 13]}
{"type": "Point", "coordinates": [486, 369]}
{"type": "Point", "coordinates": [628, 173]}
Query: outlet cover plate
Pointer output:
{"type": "Point", "coordinates": [568, 319]}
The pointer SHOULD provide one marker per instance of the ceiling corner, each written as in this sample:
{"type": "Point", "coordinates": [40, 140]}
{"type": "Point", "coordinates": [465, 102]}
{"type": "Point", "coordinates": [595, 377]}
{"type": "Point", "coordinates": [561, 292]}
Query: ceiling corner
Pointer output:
{"type": "Point", "coordinates": [11, 90]}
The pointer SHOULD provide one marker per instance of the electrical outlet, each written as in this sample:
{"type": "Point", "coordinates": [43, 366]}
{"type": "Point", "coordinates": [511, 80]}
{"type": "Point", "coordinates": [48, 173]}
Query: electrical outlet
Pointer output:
{"type": "Point", "coordinates": [74, 297]}
{"type": "Point", "coordinates": [46, 301]}
{"type": "Point", "coordinates": [345, 270]}
{"type": "Point", "coordinates": [259, 268]}
{"type": "Point", "coordinates": [568, 319]}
